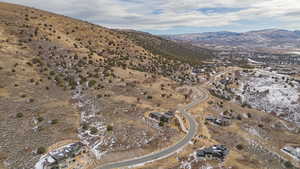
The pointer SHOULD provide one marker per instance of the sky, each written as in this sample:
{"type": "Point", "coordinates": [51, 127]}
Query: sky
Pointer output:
{"type": "Point", "coordinates": [178, 16]}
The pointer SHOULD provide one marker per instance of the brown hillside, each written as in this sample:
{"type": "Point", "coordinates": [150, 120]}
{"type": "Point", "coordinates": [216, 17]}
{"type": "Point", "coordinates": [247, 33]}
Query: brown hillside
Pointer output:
{"type": "Point", "coordinates": [50, 63]}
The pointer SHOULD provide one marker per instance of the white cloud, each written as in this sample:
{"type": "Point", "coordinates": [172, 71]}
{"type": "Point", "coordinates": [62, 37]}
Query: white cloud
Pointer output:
{"type": "Point", "coordinates": [166, 14]}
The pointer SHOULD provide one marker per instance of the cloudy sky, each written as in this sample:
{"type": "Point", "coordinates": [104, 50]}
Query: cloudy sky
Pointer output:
{"type": "Point", "coordinates": [178, 16]}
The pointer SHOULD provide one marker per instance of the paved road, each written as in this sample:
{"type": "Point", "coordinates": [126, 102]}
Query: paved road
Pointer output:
{"type": "Point", "coordinates": [202, 96]}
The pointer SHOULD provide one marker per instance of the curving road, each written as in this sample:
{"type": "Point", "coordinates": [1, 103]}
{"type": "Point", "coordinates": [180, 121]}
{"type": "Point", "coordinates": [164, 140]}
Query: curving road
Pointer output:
{"type": "Point", "coordinates": [202, 96]}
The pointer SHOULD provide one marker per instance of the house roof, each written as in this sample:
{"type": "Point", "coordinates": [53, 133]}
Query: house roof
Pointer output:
{"type": "Point", "coordinates": [219, 151]}
{"type": "Point", "coordinates": [66, 152]}
{"type": "Point", "coordinates": [165, 115]}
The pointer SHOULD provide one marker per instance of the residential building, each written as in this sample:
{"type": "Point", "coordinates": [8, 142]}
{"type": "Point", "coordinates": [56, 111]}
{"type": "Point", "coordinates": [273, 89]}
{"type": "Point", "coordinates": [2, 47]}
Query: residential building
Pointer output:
{"type": "Point", "coordinates": [214, 152]}
{"type": "Point", "coordinates": [163, 117]}
{"type": "Point", "coordinates": [64, 157]}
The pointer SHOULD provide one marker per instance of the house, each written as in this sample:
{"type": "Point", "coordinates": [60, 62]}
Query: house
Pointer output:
{"type": "Point", "coordinates": [64, 157]}
{"type": "Point", "coordinates": [226, 115]}
{"type": "Point", "coordinates": [292, 151]}
{"type": "Point", "coordinates": [198, 71]}
{"type": "Point", "coordinates": [218, 121]}
{"type": "Point", "coordinates": [169, 114]}
{"type": "Point", "coordinates": [163, 117]}
{"type": "Point", "coordinates": [214, 152]}
{"type": "Point", "coordinates": [298, 81]}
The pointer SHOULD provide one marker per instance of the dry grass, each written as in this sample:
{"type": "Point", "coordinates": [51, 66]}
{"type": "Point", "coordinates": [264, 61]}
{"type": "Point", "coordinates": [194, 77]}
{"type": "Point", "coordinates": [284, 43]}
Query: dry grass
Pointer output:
{"type": "Point", "coordinates": [26, 89]}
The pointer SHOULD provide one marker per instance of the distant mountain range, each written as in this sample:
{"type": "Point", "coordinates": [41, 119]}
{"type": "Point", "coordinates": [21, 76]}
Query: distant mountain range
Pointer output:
{"type": "Point", "coordinates": [268, 38]}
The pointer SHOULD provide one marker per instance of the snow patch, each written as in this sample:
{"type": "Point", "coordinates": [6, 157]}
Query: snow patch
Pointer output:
{"type": "Point", "coordinates": [273, 93]}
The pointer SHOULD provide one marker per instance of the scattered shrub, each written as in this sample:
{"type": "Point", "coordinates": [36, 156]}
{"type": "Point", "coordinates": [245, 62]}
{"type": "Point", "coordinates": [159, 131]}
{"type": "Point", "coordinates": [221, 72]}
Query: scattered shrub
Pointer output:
{"type": "Point", "coordinates": [239, 117]}
{"type": "Point", "coordinates": [161, 124]}
{"type": "Point", "coordinates": [94, 130]}
{"type": "Point", "coordinates": [288, 164]}
{"type": "Point", "coordinates": [41, 150]}
{"type": "Point", "coordinates": [210, 102]}
{"type": "Point", "coordinates": [31, 100]}
{"type": "Point", "coordinates": [92, 83]}
{"type": "Point", "coordinates": [40, 119]}
{"type": "Point", "coordinates": [52, 73]}
{"type": "Point", "coordinates": [55, 121]}
{"type": "Point", "coordinates": [85, 126]}
{"type": "Point", "coordinates": [19, 115]}
{"type": "Point", "coordinates": [109, 127]}
{"type": "Point", "coordinates": [239, 147]}
{"type": "Point", "coordinates": [36, 60]}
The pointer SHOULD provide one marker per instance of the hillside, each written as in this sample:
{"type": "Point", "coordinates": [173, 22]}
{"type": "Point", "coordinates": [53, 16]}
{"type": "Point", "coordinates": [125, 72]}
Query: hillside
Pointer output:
{"type": "Point", "coordinates": [63, 79]}
{"type": "Point", "coordinates": [78, 95]}
{"type": "Point", "coordinates": [180, 51]}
